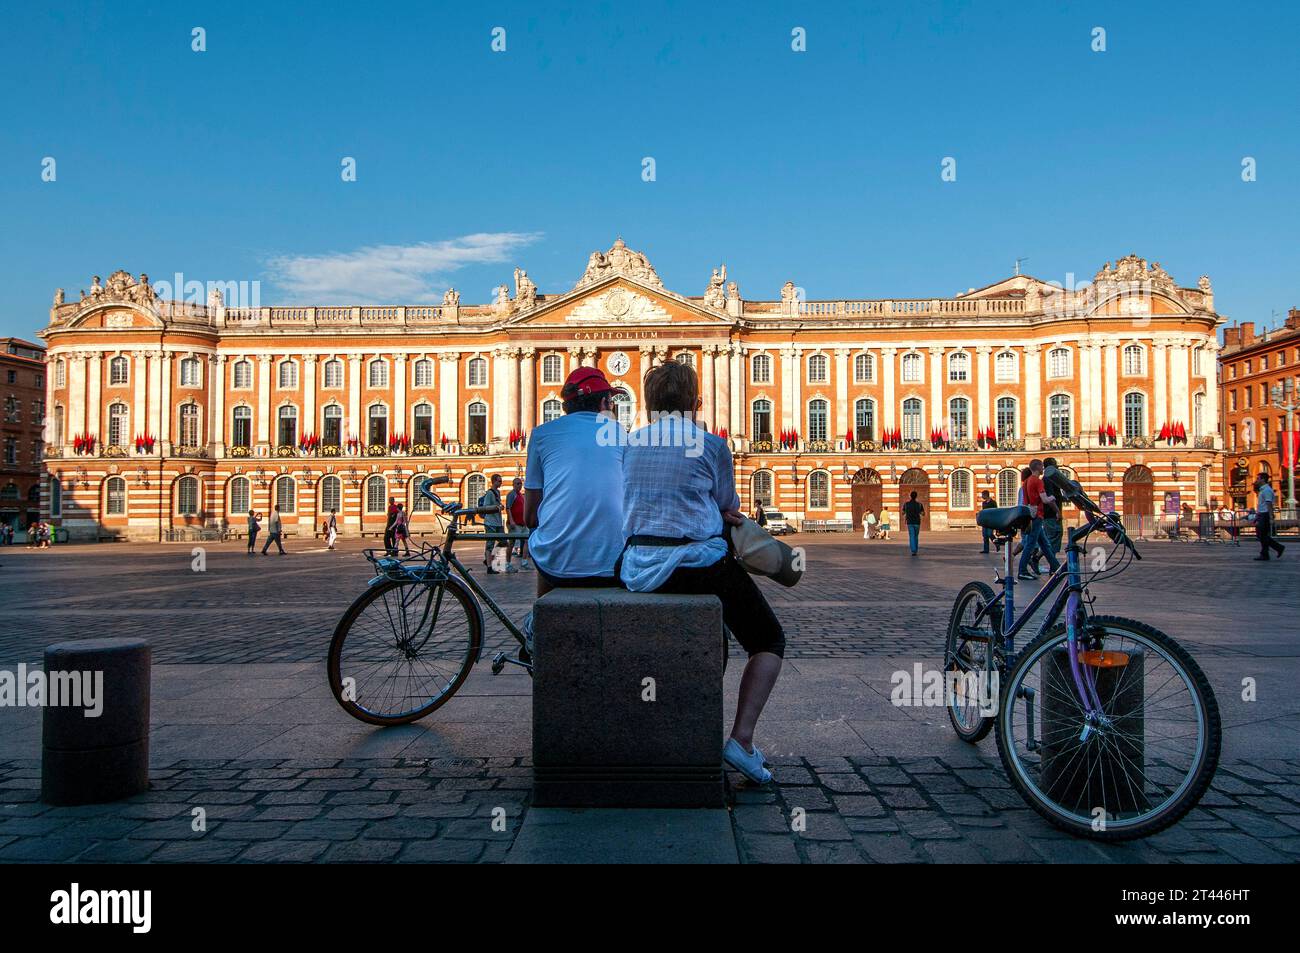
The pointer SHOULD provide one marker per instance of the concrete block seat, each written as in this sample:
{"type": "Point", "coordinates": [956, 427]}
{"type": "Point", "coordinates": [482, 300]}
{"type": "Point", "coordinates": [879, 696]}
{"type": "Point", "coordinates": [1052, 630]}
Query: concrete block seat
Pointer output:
{"type": "Point", "coordinates": [89, 760]}
{"type": "Point", "coordinates": [627, 700]}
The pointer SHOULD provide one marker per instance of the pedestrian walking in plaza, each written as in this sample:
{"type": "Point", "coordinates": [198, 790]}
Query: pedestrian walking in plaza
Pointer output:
{"type": "Point", "coordinates": [868, 524]}
{"type": "Point", "coordinates": [332, 529]}
{"type": "Point", "coordinates": [390, 539]}
{"type": "Point", "coordinates": [1265, 507]}
{"type": "Point", "coordinates": [912, 512]}
{"type": "Point", "coordinates": [1035, 541]}
{"type": "Point", "coordinates": [492, 520]}
{"type": "Point", "coordinates": [254, 525]}
{"type": "Point", "coordinates": [886, 522]}
{"type": "Point", "coordinates": [402, 530]}
{"type": "Point", "coordinates": [760, 515]}
{"type": "Point", "coordinates": [987, 503]}
{"type": "Point", "coordinates": [1053, 529]}
{"type": "Point", "coordinates": [274, 531]}
{"type": "Point", "coordinates": [515, 525]}
{"type": "Point", "coordinates": [679, 494]}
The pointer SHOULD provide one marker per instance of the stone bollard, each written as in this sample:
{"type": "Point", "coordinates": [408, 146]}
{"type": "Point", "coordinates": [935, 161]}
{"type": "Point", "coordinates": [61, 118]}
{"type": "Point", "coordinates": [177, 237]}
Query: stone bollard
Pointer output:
{"type": "Point", "coordinates": [1112, 776]}
{"type": "Point", "coordinates": [627, 700]}
{"type": "Point", "coordinates": [89, 760]}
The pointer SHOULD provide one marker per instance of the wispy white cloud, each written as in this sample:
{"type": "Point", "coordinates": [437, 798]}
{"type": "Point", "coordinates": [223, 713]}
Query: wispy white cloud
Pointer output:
{"type": "Point", "coordinates": [389, 274]}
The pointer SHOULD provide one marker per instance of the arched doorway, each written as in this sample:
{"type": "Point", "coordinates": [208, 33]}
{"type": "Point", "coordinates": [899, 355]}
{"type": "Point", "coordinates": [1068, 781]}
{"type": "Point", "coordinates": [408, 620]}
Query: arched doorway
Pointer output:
{"type": "Point", "coordinates": [866, 492]}
{"type": "Point", "coordinates": [914, 480]}
{"type": "Point", "coordinates": [1138, 491]}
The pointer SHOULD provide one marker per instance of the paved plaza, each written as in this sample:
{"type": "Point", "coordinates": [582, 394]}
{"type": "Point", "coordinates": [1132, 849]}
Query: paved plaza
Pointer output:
{"type": "Point", "coordinates": [245, 729]}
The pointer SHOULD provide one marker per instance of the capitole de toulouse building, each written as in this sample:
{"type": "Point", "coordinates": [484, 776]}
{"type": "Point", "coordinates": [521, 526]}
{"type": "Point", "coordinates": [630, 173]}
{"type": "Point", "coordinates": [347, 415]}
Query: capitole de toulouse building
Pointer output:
{"type": "Point", "coordinates": [167, 415]}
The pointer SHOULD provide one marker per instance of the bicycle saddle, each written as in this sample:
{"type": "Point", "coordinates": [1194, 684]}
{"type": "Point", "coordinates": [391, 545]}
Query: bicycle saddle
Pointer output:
{"type": "Point", "coordinates": [1003, 519]}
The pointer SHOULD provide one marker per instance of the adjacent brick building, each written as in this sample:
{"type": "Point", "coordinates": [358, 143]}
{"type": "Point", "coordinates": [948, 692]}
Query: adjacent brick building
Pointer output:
{"type": "Point", "coordinates": [22, 425]}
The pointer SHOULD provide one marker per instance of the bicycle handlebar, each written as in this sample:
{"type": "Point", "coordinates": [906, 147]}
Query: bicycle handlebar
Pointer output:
{"type": "Point", "coordinates": [1070, 491]}
{"type": "Point", "coordinates": [452, 509]}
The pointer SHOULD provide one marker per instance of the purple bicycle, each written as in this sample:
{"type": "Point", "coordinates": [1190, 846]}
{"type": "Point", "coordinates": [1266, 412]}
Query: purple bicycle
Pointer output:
{"type": "Point", "coordinates": [1106, 726]}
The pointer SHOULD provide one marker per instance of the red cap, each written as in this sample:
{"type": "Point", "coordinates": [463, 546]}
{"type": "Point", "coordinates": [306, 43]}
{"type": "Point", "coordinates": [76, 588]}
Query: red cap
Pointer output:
{"type": "Point", "coordinates": [584, 380]}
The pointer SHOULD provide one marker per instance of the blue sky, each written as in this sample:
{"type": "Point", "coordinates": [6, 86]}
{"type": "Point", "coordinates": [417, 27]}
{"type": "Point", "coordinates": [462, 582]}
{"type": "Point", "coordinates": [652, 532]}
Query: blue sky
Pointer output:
{"type": "Point", "coordinates": [821, 166]}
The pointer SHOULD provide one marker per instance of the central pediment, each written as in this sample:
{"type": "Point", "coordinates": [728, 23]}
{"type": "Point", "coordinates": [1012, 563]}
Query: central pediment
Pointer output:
{"type": "Point", "coordinates": [618, 300]}
{"type": "Point", "coordinates": [618, 305]}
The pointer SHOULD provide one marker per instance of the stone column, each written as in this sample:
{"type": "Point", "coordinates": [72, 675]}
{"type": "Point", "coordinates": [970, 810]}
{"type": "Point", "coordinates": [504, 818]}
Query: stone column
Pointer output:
{"type": "Point", "coordinates": [937, 410]}
{"type": "Point", "coordinates": [661, 354]}
{"type": "Point", "coordinates": [706, 387]}
{"type": "Point", "coordinates": [723, 388]}
{"type": "Point", "coordinates": [1108, 380]}
{"type": "Point", "coordinates": [499, 398]}
{"type": "Point", "coordinates": [739, 416]}
{"type": "Point", "coordinates": [1180, 405]}
{"type": "Point", "coordinates": [449, 396]}
{"type": "Point", "coordinates": [354, 426]}
{"type": "Point", "coordinates": [1086, 419]}
{"type": "Point", "coordinates": [1210, 361]}
{"type": "Point", "coordinates": [156, 396]}
{"type": "Point", "coordinates": [984, 379]}
{"type": "Point", "coordinates": [528, 388]}
{"type": "Point", "coordinates": [217, 403]}
{"type": "Point", "coordinates": [308, 423]}
{"type": "Point", "coordinates": [94, 390]}
{"type": "Point", "coordinates": [842, 419]}
{"type": "Point", "coordinates": [139, 402]}
{"type": "Point", "coordinates": [1160, 402]}
{"type": "Point", "coordinates": [1033, 392]}
{"type": "Point", "coordinates": [264, 362]}
{"type": "Point", "coordinates": [76, 396]}
{"type": "Point", "coordinates": [889, 412]}
{"type": "Point", "coordinates": [165, 360]}
{"type": "Point", "coordinates": [512, 390]}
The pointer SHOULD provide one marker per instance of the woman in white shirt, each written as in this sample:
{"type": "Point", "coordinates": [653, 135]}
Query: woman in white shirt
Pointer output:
{"type": "Point", "coordinates": [678, 490]}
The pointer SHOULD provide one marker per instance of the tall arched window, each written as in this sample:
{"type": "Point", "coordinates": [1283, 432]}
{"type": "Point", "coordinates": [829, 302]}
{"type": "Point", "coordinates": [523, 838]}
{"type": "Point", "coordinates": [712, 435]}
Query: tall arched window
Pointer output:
{"type": "Point", "coordinates": [1006, 422]}
{"type": "Point", "coordinates": [119, 425]}
{"type": "Point", "coordinates": [552, 369]}
{"type": "Point", "coordinates": [818, 369]}
{"type": "Point", "coordinates": [423, 374]}
{"type": "Point", "coordinates": [1198, 414]}
{"type": "Point", "coordinates": [422, 432]}
{"type": "Point", "coordinates": [189, 425]}
{"type": "Point", "coordinates": [287, 433]}
{"type": "Point", "coordinates": [685, 357]}
{"type": "Point", "coordinates": [1059, 418]}
{"type": "Point", "coordinates": [378, 374]}
{"type": "Point", "coordinates": [1134, 359]}
{"type": "Point", "coordinates": [115, 496]}
{"type": "Point", "coordinates": [378, 430]}
{"type": "Point", "coordinates": [475, 487]}
{"type": "Point", "coordinates": [818, 419]}
{"type": "Point", "coordinates": [241, 375]}
{"type": "Point", "coordinates": [477, 418]}
{"type": "Point", "coordinates": [762, 413]}
{"type": "Point", "coordinates": [118, 370]}
{"type": "Point", "coordinates": [241, 496]}
{"type": "Point", "coordinates": [762, 487]}
{"type": "Point", "coordinates": [288, 375]}
{"type": "Point", "coordinates": [913, 368]}
{"type": "Point", "coordinates": [958, 367]}
{"type": "Point", "coordinates": [241, 429]}
{"type": "Point", "coordinates": [624, 408]}
{"type": "Point", "coordinates": [1006, 367]}
{"type": "Point", "coordinates": [60, 373]}
{"type": "Point", "coordinates": [552, 409]}
{"type": "Point", "coordinates": [332, 425]}
{"type": "Point", "coordinates": [376, 491]}
{"type": "Point", "coordinates": [56, 496]}
{"type": "Point", "coordinates": [819, 490]}
{"type": "Point", "coordinates": [333, 375]}
{"type": "Point", "coordinates": [476, 371]}
{"type": "Point", "coordinates": [286, 493]}
{"type": "Point", "coordinates": [864, 419]}
{"type": "Point", "coordinates": [1008, 487]}
{"type": "Point", "coordinates": [191, 373]}
{"type": "Point", "coordinates": [331, 494]}
{"type": "Point", "coordinates": [1058, 362]}
{"type": "Point", "coordinates": [912, 418]}
{"type": "Point", "coordinates": [958, 418]}
{"type": "Point", "coordinates": [1135, 415]}
{"type": "Point", "coordinates": [60, 422]}
{"type": "Point", "coordinates": [864, 368]}
{"type": "Point", "coordinates": [959, 490]}
{"type": "Point", "coordinates": [761, 369]}
{"type": "Point", "coordinates": [419, 502]}
{"type": "Point", "coordinates": [1203, 487]}
{"type": "Point", "coordinates": [187, 496]}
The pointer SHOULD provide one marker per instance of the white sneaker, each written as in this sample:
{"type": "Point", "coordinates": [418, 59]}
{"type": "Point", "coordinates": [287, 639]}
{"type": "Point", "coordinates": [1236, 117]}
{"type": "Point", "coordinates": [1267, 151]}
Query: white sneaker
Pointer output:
{"type": "Point", "coordinates": [748, 763]}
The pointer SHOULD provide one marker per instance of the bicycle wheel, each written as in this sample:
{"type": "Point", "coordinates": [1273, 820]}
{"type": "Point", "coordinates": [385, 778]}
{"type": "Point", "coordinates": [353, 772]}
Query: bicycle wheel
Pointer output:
{"type": "Point", "coordinates": [967, 656]}
{"type": "Point", "coordinates": [1137, 770]}
{"type": "Point", "coordinates": [403, 648]}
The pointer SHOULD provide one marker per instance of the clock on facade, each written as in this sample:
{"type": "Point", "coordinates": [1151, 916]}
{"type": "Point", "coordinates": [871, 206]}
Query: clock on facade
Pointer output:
{"type": "Point", "coordinates": [619, 363]}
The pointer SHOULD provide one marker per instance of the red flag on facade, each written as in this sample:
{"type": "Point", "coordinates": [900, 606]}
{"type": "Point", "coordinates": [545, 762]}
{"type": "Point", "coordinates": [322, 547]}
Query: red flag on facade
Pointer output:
{"type": "Point", "coordinates": [1290, 448]}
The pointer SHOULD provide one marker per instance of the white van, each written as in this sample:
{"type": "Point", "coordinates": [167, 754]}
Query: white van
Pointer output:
{"type": "Point", "coordinates": [776, 523]}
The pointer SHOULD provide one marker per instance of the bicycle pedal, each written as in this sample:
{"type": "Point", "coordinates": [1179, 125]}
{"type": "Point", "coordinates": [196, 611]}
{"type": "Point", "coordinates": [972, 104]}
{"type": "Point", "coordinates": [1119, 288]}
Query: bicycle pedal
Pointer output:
{"type": "Point", "coordinates": [498, 663]}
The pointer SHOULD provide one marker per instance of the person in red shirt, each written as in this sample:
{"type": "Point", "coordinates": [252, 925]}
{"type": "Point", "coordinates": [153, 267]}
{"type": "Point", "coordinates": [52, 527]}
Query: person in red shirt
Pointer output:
{"type": "Point", "coordinates": [1035, 541]}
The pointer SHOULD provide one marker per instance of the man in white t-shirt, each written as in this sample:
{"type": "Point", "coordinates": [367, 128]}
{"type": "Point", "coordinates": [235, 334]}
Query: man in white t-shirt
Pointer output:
{"type": "Point", "coordinates": [1265, 504]}
{"type": "Point", "coordinates": [573, 489]}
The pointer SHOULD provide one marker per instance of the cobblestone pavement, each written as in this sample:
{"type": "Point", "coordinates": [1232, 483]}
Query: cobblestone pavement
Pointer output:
{"type": "Point", "coordinates": [238, 679]}
{"type": "Point", "coordinates": [854, 810]}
